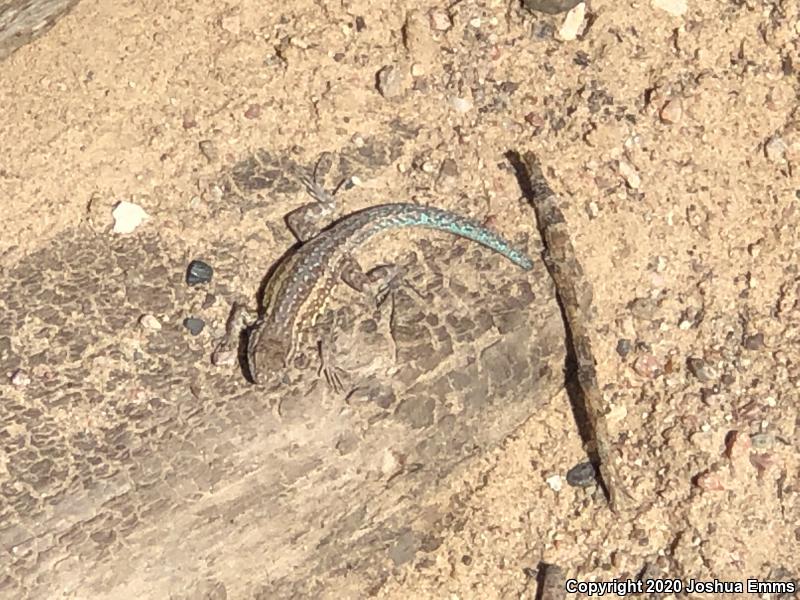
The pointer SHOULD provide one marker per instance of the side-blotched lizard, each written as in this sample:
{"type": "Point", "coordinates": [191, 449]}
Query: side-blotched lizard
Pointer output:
{"type": "Point", "coordinates": [299, 287]}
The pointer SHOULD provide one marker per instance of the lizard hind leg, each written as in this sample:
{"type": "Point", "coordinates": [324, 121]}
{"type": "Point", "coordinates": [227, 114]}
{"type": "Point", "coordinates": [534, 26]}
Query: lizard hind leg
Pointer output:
{"type": "Point", "coordinates": [377, 283]}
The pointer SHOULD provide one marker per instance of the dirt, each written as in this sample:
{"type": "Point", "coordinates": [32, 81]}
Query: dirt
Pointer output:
{"type": "Point", "coordinates": [673, 142]}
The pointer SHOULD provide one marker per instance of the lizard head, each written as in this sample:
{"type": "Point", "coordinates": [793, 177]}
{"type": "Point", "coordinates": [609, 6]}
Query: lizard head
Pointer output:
{"type": "Point", "coordinates": [266, 355]}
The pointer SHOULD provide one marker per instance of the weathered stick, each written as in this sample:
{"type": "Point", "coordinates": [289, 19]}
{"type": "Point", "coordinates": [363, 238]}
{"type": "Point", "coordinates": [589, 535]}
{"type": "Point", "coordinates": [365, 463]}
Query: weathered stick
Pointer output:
{"type": "Point", "coordinates": [575, 295]}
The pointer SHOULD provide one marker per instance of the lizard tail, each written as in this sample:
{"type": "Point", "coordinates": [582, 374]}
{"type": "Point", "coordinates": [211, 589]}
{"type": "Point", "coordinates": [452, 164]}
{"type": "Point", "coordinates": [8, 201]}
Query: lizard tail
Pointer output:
{"type": "Point", "coordinates": [429, 217]}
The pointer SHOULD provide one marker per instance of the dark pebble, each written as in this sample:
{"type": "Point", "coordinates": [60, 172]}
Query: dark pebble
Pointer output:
{"type": "Point", "coordinates": [754, 342]}
{"type": "Point", "coordinates": [624, 347]}
{"type": "Point", "coordinates": [551, 7]}
{"type": "Point", "coordinates": [194, 325]}
{"type": "Point", "coordinates": [466, 559]}
{"type": "Point", "coordinates": [198, 272]}
{"type": "Point", "coordinates": [582, 475]}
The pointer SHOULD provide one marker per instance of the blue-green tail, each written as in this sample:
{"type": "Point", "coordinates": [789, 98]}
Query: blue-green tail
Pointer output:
{"type": "Point", "coordinates": [389, 216]}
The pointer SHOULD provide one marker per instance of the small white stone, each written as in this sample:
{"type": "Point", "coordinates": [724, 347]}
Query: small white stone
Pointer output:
{"type": "Point", "coordinates": [440, 21]}
{"type": "Point", "coordinates": [428, 167]}
{"type": "Point", "coordinates": [775, 149]}
{"type": "Point", "coordinates": [555, 482]}
{"type": "Point", "coordinates": [677, 8]}
{"type": "Point", "coordinates": [475, 22]}
{"type": "Point", "coordinates": [20, 378]}
{"type": "Point", "coordinates": [573, 23]}
{"type": "Point", "coordinates": [629, 173]}
{"type": "Point", "coordinates": [617, 413]}
{"type": "Point", "coordinates": [128, 216]}
{"type": "Point", "coordinates": [461, 105]}
{"type": "Point", "coordinates": [149, 322]}
{"type": "Point", "coordinates": [417, 70]}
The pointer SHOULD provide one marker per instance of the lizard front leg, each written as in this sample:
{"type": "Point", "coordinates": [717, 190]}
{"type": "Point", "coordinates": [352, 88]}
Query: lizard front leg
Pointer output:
{"type": "Point", "coordinates": [240, 319]}
{"type": "Point", "coordinates": [308, 220]}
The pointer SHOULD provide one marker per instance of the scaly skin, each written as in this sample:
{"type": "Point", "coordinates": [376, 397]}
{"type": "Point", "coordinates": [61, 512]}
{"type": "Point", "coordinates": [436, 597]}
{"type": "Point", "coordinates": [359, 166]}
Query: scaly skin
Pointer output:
{"type": "Point", "coordinates": [300, 286]}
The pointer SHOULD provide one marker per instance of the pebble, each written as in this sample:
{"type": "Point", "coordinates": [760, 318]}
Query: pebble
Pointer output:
{"type": "Point", "coordinates": [535, 119]}
{"type": "Point", "coordinates": [20, 378]}
{"type": "Point", "coordinates": [209, 150]}
{"type": "Point", "coordinates": [648, 366]}
{"type": "Point", "coordinates": [630, 175]}
{"type": "Point", "coordinates": [710, 482]}
{"type": "Point", "coordinates": [582, 475]}
{"type": "Point", "coordinates": [624, 347]}
{"type": "Point", "coordinates": [428, 167]}
{"type": "Point", "coordinates": [224, 356]}
{"type": "Point", "coordinates": [754, 342]}
{"type": "Point", "coordinates": [449, 168]}
{"type": "Point", "coordinates": [775, 149]}
{"type": "Point", "coordinates": [699, 368]}
{"type": "Point", "coordinates": [617, 413]}
{"type": "Point", "coordinates": [440, 21]}
{"type": "Point", "coordinates": [671, 112]}
{"type": "Point", "coordinates": [461, 105]}
{"type": "Point", "coordinates": [128, 216]}
{"type": "Point", "coordinates": [573, 23]}
{"type": "Point", "coordinates": [194, 325]}
{"type": "Point", "coordinates": [199, 272]}
{"type": "Point", "coordinates": [555, 482]}
{"type": "Point", "coordinates": [391, 82]}
{"type": "Point", "coordinates": [676, 8]}
{"type": "Point", "coordinates": [253, 111]}
{"type": "Point", "coordinates": [550, 7]}
{"type": "Point", "coordinates": [150, 322]}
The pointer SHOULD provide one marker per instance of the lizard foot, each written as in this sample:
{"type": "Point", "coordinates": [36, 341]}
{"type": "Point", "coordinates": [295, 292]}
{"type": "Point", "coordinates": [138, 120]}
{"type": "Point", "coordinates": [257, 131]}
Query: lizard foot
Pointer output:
{"type": "Point", "coordinates": [227, 350]}
{"type": "Point", "coordinates": [334, 375]}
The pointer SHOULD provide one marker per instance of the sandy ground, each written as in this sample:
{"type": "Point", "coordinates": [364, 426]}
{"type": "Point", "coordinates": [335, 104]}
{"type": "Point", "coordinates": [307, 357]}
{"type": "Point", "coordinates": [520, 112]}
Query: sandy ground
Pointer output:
{"type": "Point", "coordinates": [674, 141]}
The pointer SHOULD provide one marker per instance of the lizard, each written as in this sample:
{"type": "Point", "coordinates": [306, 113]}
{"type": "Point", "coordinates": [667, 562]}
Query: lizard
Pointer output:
{"type": "Point", "coordinates": [298, 289]}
